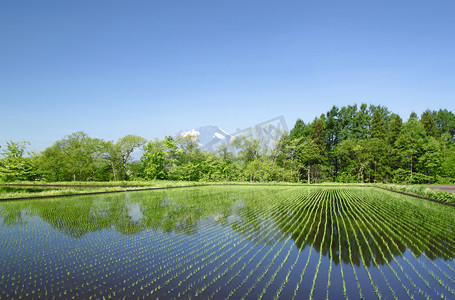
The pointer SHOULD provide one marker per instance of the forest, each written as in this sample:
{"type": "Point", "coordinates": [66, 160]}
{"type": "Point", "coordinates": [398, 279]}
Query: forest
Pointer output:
{"type": "Point", "coordinates": [352, 144]}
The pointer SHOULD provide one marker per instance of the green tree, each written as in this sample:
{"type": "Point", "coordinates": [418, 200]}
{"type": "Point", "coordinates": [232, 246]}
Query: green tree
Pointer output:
{"type": "Point", "coordinates": [301, 130]}
{"type": "Point", "coordinates": [75, 157]}
{"type": "Point", "coordinates": [52, 164]}
{"type": "Point", "coordinates": [332, 128]}
{"type": "Point", "coordinates": [124, 147]}
{"type": "Point", "coordinates": [431, 159]}
{"type": "Point", "coordinates": [224, 165]}
{"type": "Point", "coordinates": [14, 166]}
{"type": "Point", "coordinates": [378, 152]}
{"type": "Point", "coordinates": [249, 149]}
{"type": "Point", "coordinates": [361, 123]}
{"type": "Point", "coordinates": [445, 121]}
{"type": "Point", "coordinates": [356, 158]}
{"type": "Point", "coordinates": [312, 159]}
{"type": "Point", "coordinates": [261, 169]}
{"type": "Point", "coordinates": [448, 165]}
{"type": "Point", "coordinates": [346, 116]}
{"type": "Point", "coordinates": [394, 128]}
{"type": "Point", "coordinates": [154, 160]}
{"type": "Point", "coordinates": [288, 157]}
{"type": "Point", "coordinates": [429, 123]}
{"type": "Point", "coordinates": [189, 149]}
{"type": "Point", "coordinates": [113, 156]}
{"type": "Point", "coordinates": [318, 135]}
{"type": "Point", "coordinates": [379, 122]}
{"type": "Point", "coordinates": [409, 145]}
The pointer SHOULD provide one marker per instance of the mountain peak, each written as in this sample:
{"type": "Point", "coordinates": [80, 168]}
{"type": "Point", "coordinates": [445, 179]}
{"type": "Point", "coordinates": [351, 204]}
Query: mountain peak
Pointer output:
{"type": "Point", "coordinates": [209, 136]}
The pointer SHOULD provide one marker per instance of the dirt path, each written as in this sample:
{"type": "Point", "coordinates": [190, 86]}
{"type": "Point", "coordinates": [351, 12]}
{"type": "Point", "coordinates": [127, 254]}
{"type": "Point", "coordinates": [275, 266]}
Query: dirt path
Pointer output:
{"type": "Point", "coordinates": [445, 188]}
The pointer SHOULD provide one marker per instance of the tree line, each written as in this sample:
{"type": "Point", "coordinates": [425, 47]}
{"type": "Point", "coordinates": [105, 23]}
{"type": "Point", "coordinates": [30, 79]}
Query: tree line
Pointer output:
{"type": "Point", "coordinates": [348, 144]}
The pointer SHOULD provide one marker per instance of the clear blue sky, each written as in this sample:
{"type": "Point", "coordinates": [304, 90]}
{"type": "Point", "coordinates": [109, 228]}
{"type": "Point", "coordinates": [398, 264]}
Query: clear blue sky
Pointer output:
{"type": "Point", "coordinates": [152, 68]}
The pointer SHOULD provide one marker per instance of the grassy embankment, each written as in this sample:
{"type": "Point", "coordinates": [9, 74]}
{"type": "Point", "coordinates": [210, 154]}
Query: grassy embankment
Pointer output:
{"type": "Point", "coordinates": [422, 190]}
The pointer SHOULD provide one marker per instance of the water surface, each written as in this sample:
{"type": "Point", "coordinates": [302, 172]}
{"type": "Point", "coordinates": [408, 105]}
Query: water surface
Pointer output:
{"type": "Point", "coordinates": [229, 242]}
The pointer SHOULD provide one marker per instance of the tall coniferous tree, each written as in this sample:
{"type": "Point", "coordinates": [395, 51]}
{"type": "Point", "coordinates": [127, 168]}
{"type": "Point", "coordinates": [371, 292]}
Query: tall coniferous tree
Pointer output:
{"type": "Point", "coordinates": [429, 123]}
{"type": "Point", "coordinates": [409, 145]}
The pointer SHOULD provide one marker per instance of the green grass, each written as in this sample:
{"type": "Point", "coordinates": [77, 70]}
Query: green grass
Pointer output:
{"type": "Point", "coordinates": [423, 191]}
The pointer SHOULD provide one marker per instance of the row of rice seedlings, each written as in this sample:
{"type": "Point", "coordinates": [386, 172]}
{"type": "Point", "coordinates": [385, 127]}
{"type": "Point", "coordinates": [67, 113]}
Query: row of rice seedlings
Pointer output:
{"type": "Point", "coordinates": [405, 227]}
{"type": "Point", "coordinates": [446, 247]}
{"type": "Point", "coordinates": [326, 200]}
{"type": "Point", "coordinates": [28, 235]}
{"type": "Point", "coordinates": [249, 275]}
{"type": "Point", "coordinates": [402, 220]}
{"type": "Point", "coordinates": [305, 221]}
{"type": "Point", "coordinates": [189, 287]}
{"type": "Point", "coordinates": [283, 219]}
{"type": "Point", "coordinates": [233, 244]}
{"type": "Point", "coordinates": [376, 219]}
{"type": "Point", "coordinates": [300, 206]}
{"type": "Point", "coordinates": [297, 230]}
{"type": "Point", "coordinates": [17, 261]}
{"type": "Point", "coordinates": [195, 256]}
{"type": "Point", "coordinates": [345, 293]}
{"type": "Point", "coordinates": [197, 264]}
{"type": "Point", "coordinates": [424, 267]}
{"type": "Point", "coordinates": [239, 258]}
{"type": "Point", "coordinates": [123, 266]}
{"type": "Point", "coordinates": [295, 220]}
{"type": "Point", "coordinates": [95, 258]}
{"type": "Point", "coordinates": [70, 252]}
{"type": "Point", "coordinates": [364, 263]}
{"type": "Point", "coordinates": [168, 265]}
{"type": "Point", "coordinates": [267, 267]}
{"type": "Point", "coordinates": [187, 257]}
{"type": "Point", "coordinates": [58, 255]}
{"type": "Point", "coordinates": [173, 245]}
{"type": "Point", "coordinates": [165, 271]}
{"type": "Point", "coordinates": [362, 216]}
{"type": "Point", "coordinates": [437, 249]}
{"type": "Point", "coordinates": [140, 255]}
{"type": "Point", "coordinates": [332, 217]}
{"type": "Point", "coordinates": [392, 231]}
{"type": "Point", "coordinates": [318, 198]}
{"type": "Point", "coordinates": [345, 229]}
{"type": "Point", "coordinates": [373, 222]}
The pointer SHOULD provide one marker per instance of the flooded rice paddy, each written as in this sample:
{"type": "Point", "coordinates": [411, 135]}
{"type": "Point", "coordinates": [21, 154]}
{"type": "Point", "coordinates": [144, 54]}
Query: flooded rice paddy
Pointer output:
{"type": "Point", "coordinates": [229, 243]}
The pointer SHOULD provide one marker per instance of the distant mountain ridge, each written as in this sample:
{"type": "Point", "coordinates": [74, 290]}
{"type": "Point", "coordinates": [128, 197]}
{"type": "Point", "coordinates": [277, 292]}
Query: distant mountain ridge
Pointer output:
{"type": "Point", "coordinates": [209, 136]}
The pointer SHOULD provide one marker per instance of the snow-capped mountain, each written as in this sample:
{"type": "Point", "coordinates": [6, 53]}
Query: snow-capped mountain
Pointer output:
{"type": "Point", "coordinates": [209, 136]}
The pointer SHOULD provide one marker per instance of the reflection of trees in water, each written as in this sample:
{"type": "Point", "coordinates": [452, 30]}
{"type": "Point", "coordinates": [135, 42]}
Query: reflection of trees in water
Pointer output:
{"type": "Point", "coordinates": [383, 231]}
{"type": "Point", "coordinates": [169, 211]}
{"type": "Point", "coordinates": [374, 240]}
{"type": "Point", "coordinates": [257, 227]}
